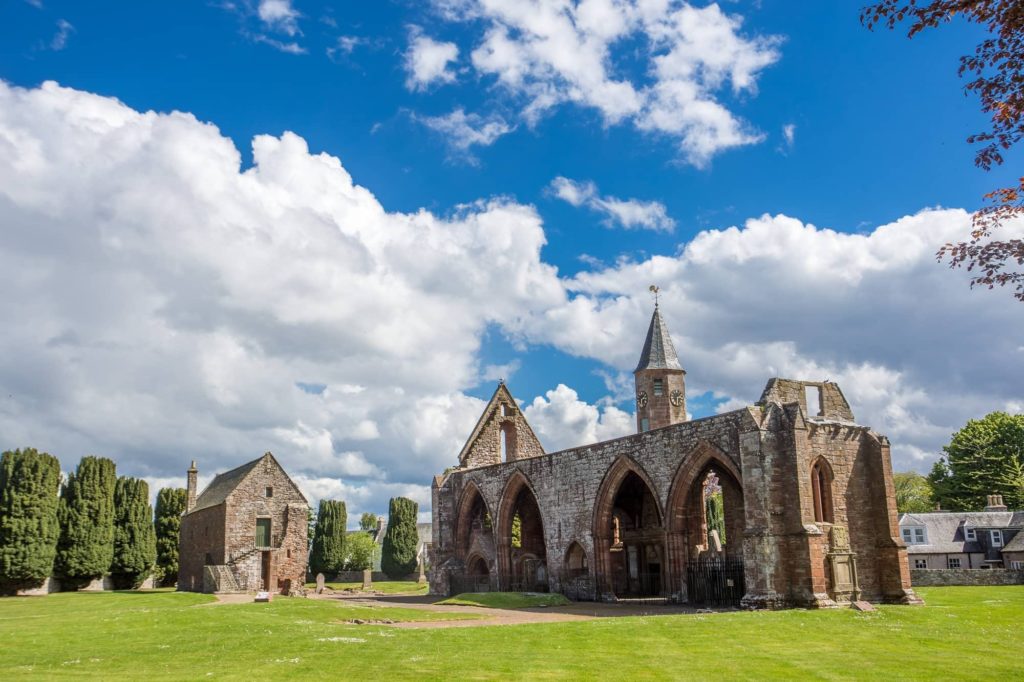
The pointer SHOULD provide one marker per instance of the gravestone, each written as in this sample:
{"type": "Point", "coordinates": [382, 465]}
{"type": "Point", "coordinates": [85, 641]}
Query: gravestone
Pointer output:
{"type": "Point", "coordinates": [367, 579]}
{"type": "Point", "coordinates": [319, 583]}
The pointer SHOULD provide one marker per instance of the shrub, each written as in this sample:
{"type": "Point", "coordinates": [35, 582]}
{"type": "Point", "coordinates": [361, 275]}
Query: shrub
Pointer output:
{"type": "Point", "coordinates": [134, 537]}
{"type": "Point", "coordinates": [170, 505]}
{"type": "Point", "coordinates": [328, 553]}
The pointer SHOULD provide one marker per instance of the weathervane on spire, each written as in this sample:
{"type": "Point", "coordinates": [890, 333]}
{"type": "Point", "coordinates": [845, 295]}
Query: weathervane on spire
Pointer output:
{"type": "Point", "coordinates": [655, 290]}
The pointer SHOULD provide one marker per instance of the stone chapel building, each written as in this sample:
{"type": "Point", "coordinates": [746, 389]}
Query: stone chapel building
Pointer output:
{"type": "Point", "coordinates": [786, 502]}
{"type": "Point", "coordinates": [247, 531]}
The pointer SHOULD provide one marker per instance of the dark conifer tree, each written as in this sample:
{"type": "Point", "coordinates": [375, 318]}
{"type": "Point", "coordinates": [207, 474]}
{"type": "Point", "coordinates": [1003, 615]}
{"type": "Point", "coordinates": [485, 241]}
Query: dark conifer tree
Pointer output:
{"type": "Point", "coordinates": [398, 554]}
{"type": "Point", "coordinates": [85, 549]}
{"type": "Point", "coordinates": [134, 537]}
{"type": "Point", "coordinates": [170, 505]}
{"type": "Point", "coordinates": [328, 553]}
{"type": "Point", "coordinates": [29, 483]}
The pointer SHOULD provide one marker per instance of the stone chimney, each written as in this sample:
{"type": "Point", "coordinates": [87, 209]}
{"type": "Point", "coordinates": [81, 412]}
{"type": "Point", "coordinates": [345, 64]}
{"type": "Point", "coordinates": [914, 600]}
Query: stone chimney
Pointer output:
{"type": "Point", "coordinates": [995, 503]}
{"type": "Point", "coordinates": [193, 478]}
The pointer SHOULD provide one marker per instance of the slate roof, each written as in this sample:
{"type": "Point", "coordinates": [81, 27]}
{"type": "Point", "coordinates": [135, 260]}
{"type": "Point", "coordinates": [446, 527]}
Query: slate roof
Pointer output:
{"type": "Point", "coordinates": [658, 352]}
{"type": "Point", "coordinates": [945, 530]}
{"type": "Point", "coordinates": [222, 485]}
{"type": "Point", "coordinates": [1017, 543]}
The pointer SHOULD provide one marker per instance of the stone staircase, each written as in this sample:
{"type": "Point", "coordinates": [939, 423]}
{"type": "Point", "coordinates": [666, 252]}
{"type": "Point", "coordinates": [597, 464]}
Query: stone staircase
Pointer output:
{"type": "Point", "coordinates": [220, 578]}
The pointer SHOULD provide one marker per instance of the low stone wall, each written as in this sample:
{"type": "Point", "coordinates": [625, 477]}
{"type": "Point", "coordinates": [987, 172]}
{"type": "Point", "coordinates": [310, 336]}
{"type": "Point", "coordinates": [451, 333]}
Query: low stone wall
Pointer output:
{"type": "Point", "coordinates": [934, 577]}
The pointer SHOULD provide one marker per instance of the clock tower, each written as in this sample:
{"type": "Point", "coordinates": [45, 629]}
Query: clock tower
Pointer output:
{"type": "Point", "coordinates": [660, 380]}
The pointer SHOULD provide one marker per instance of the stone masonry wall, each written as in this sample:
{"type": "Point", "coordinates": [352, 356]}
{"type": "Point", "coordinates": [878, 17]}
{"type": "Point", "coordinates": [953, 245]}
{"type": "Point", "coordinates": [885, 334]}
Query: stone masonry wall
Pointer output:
{"type": "Point", "coordinates": [287, 510]}
{"type": "Point", "coordinates": [201, 534]}
{"type": "Point", "coordinates": [929, 577]}
{"type": "Point", "coordinates": [502, 413]}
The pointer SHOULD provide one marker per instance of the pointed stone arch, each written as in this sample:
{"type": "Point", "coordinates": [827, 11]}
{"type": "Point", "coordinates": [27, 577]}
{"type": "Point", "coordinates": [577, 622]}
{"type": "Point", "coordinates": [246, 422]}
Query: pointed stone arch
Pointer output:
{"type": "Point", "coordinates": [471, 531]}
{"type": "Point", "coordinates": [524, 566]}
{"type": "Point", "coordinates": [688, 537]}
{"type": "Point", "coordinates": [822, 482]}
{"type": "Point", "coordinates": [633, 563]}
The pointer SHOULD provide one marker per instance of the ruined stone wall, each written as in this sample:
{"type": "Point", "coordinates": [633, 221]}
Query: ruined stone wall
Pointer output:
{"type": "Point", "coordinates": [833, 404]}
{"type": "Point", "coordinates": [201, 534]}
{"type": "Point", "coordinates": [287, 510]}
{"type": "Point", "coordinates": [566, 485]}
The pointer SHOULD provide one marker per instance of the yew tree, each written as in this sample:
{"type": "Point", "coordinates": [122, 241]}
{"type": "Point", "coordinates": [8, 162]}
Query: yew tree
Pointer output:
{"type": "Point", "coordinates": [134, 536]}
{"type": "Point", "coordinates": [398, 553]}
{"type": "Point", "coordinates": [29, 481]}
{"type": "Point", "coordinates": [995, 73]}
{"type": "Point", "coordinates": [170, 505]}
{"type": "Point", "coordinates": [85, 549]}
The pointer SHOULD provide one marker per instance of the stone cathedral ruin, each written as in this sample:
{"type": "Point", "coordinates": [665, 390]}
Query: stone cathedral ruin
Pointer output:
{"type": "Point", "coordinates": [787, 502]}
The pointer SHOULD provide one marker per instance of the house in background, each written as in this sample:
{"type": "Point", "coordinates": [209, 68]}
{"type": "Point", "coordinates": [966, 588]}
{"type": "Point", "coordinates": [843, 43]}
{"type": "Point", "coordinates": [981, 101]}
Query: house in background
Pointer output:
{"type": "Point", "coordinates": [985, 539]}
{"type": "Point", "coordinates": [247, 531]}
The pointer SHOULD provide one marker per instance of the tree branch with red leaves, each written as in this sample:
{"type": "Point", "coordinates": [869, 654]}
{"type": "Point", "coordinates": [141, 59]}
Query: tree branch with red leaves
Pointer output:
{"type": "Point", "coordinates": [996, 75]}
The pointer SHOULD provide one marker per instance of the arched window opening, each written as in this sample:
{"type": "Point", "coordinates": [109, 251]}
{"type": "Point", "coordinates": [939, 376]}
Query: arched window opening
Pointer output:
{"type": "Point", "coordinates": [523, 531]}
{"type": "Point", "coordinates": [821, 492]}
{"type": "Point", "coordinates": [714, 512]}
{"type": "Point", "coordinates": [508, 442]}
{"type": "Point", "coordinates": [637, 548]}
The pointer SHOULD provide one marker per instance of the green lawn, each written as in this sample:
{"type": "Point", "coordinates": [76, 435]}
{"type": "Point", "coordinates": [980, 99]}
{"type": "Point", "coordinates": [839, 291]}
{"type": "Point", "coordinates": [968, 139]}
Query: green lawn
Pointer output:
{"type": "Point", "coordinates": [505, 600]}
{"type": "Point", "coordinates": [385, 587]}
{"type": "Point", "coordinates": [974, 633]}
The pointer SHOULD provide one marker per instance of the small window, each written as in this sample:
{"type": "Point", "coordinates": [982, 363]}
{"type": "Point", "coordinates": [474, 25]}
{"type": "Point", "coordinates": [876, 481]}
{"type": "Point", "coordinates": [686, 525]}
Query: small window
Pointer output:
{"type": "Point", "coordinates": [270, 491]}
{"type": "Point", "coordinates": [997, 538]}
{"type": "Point", "coordinates": [288, 553]}
{"type": "Point", "coordinates": [953, 562]}
{"type": "Point", "coordinates": [645, 424]}
{"type": "Point", "coordinates": [908, 536]}
{"type": "Point", "coordinates": [919, 536]}
{"type": "Point", "coordinates": [1017, 565]}
{"type": "Point", "coordinates": [920, 563]}
{"type": "Point", "coordinates": [971, 534]}
{"type": "Point", "coordinates": [812, 394]}
{"type": "Point", "coordinates": [659, 388]}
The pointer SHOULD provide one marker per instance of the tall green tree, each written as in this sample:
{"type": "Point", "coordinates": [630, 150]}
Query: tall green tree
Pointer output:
{"type": "Point", "coordinates": [85, 549]}
{"type": "Point", "coordinates": [328, 553]}
{"type": "Point", "coordinates": [985, 457]}
{"type": "Point", "coordinates": [134, 535]}
{"type": "Point", "coordinates": [368, 522]}
{"type": "Point", "coordinates": [913, 492]}
{"type": "Point", "coordinates": [170, 505]}
{"type": "Point", "coordinates": [398, 553]}
{"type": "Point", "coordinates": [29, 483]}
{"type": "Point", "coordinates": [360, 551]}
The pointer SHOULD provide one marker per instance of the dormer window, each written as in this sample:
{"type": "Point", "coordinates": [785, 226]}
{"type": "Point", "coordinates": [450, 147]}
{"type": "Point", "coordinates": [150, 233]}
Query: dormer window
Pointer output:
{"type": "Point", "coordinates": [270, 491]}
{"type": "Point", "coordinates": [915, 535]}
{"type": "Point", "coordinates": [997, 538]}
{"type": "Point", "coordinates": [971, 534]}
{"type": "Point", "coordinates": [659, 388]}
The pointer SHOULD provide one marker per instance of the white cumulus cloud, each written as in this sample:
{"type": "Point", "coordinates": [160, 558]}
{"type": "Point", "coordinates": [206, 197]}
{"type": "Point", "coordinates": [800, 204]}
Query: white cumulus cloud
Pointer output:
{"type": "Point", "coordinates": [547, 53]}
{"type": "Point", "coordinates": [561, 420]}
{"type": "Point", "coordinates": [427, 60]}
{"type": "Point", "coordinates": [463, 131]}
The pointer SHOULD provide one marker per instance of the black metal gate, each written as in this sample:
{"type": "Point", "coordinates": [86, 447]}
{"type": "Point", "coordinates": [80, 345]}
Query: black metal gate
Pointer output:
{"type": "Point", "coordinates": [457, 584]}
{"type": "Point", "coordinates": [715, 582]}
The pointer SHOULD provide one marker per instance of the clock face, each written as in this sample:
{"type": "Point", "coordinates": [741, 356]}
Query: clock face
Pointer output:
{"type": "Point", "coordinates": [677, 397]}
{"type": "Point", "coordinates": [641, 399]}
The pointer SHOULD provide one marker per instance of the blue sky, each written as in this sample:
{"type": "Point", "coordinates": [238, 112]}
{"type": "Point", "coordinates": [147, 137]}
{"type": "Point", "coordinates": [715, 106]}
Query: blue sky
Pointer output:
{"type": "Point", "coordinates": [843, 132]}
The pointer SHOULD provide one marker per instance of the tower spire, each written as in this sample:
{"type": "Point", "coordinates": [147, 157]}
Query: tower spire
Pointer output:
{"type": "Point", "coordinates": [659, 377]}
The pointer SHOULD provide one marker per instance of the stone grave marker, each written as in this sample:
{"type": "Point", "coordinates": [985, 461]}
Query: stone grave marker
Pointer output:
{"type": "Point", "coordinates": [319, 583]}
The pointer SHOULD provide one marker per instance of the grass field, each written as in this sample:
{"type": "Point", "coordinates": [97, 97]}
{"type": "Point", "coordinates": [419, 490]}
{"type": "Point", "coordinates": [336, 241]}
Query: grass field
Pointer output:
{"type": "Point", "coordinates": [976, 633]}
{"type": "Point", "coordinates": [505, 600]}
{"type": "Point", "coordinates": [384, 587]}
